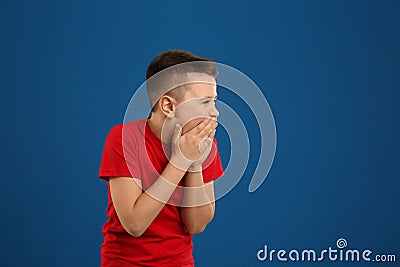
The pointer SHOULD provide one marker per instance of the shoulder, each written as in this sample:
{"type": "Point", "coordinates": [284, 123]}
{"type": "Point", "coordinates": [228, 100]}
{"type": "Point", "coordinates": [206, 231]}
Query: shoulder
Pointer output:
{"type": "Point", "coordinates": [117, 131]}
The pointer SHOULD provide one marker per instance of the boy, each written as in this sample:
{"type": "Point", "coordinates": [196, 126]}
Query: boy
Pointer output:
{"type": "Point", "coordinates": [160, 170]}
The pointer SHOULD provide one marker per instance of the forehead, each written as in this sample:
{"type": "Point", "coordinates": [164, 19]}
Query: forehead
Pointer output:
{"type": "Point", "coordinates": [200, 89]}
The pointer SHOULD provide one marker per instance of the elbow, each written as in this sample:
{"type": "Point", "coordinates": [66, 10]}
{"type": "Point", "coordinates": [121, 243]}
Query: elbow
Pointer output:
{"type": "Point", "coordinates": [135, 233]}
{"type": "Point", "coordinates": [196, 229]}
{"type": "Point", "coordinates": [135, 229]}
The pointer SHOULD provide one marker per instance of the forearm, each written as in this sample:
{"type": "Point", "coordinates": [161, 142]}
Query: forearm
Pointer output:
{"type": "Point", "coordinates": [198, 204]}
{"type": "Point", "coordinates": [149, 204]}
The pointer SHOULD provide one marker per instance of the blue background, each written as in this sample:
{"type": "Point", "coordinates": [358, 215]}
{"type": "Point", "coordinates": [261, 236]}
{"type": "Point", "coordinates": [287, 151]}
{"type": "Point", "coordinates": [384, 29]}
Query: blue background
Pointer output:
{"type": "Point", "coordinates": [329, 69]}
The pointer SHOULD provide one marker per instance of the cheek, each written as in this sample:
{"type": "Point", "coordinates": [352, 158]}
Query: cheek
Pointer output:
{"type": "Point", "coordinates": [192, 117]}
{"type": "Point", "coordinates": [193, 113]}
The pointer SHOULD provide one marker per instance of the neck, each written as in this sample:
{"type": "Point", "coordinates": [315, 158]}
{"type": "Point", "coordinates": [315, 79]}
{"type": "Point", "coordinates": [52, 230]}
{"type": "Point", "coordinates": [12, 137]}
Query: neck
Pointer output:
{"type": "Point", "coordinates": [161, 126]}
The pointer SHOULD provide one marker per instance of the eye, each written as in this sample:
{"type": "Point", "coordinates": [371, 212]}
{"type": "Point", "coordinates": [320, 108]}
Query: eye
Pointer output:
{"type": "Point", "coordinates": [206, 101]}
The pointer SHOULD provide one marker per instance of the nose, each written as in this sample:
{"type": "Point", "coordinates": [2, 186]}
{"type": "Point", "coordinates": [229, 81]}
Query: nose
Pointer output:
{"type": "Point", "coordinates": [214, 113]}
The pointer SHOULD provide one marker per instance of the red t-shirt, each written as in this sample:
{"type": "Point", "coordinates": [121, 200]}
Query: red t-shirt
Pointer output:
{"type": "Point", "coordinates": [133, 150]}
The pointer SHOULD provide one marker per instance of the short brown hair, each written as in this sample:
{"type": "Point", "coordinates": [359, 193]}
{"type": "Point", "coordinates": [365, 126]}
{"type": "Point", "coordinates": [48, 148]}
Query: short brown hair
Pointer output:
{"type": "Point", "coordinates": [171, 58]}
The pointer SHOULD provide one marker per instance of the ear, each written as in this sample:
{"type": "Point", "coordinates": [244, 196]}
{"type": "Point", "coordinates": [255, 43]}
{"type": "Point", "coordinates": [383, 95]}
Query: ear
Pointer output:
{"type": "Point", "coordinates": [167, 105]}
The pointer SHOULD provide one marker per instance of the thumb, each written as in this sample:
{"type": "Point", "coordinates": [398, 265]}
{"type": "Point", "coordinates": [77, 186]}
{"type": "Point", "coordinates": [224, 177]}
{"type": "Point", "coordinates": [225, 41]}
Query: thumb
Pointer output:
{"type": "Point", "coordinates": [177, 133]}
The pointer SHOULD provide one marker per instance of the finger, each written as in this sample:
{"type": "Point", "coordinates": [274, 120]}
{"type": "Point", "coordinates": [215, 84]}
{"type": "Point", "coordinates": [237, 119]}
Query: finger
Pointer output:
{"type": "Point", "coordinates": [212, 134]}
{"type": "Point", "coordinates": [199, 128]}
{"type": "Point", "coordinates": [207, 130]}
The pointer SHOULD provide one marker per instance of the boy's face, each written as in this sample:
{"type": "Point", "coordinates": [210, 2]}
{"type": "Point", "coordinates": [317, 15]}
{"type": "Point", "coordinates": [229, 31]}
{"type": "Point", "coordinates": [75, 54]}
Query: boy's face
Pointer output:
{"type": "Point", "coordinates": [197, 104]}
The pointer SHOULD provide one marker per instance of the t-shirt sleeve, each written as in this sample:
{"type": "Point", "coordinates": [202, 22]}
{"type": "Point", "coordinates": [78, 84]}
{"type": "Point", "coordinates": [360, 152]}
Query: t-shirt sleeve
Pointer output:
{"type": "Point", "coordinates": [114, 160]}
{"type": "Point", "coordinates": [212, 167]}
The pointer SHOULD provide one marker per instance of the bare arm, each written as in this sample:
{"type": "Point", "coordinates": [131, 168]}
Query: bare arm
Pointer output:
{"type": "Point", "coordinates": [198, 202]}
{"type": "Point", "coordinates": [198, 198]}
{"type": "Point", "coordinates": [136, 209]}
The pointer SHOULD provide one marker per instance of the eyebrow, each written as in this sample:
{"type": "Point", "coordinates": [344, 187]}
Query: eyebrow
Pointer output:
{"type": "Point", "coordinates": [204, 97]}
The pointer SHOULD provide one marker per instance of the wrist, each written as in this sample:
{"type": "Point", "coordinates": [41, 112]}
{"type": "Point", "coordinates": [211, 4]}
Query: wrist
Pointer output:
{"type": "Point", "coordinates": [195, 167]}
{"type": "Point", "coordinates": [177, 171]}
{"type": "Point", "coordinates": [181, 163]}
